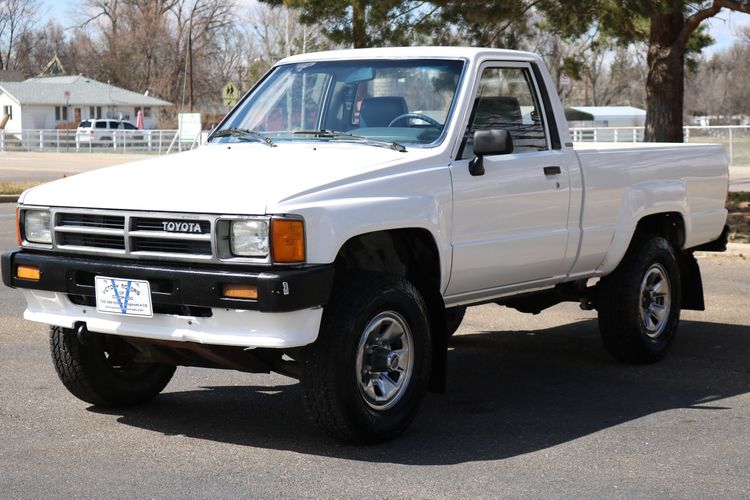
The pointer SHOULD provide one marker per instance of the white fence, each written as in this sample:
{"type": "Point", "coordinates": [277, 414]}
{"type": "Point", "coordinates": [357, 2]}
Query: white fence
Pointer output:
{"type": "Point", "coordinates": [118, 141]}
{"type": "Point", "coordinates": [734, 138]}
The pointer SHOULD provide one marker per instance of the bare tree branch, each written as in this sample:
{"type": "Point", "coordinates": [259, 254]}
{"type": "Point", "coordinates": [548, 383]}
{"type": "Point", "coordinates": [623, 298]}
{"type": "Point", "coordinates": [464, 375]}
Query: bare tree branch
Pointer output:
{"type": "Point", "coordinates": [693, 21]}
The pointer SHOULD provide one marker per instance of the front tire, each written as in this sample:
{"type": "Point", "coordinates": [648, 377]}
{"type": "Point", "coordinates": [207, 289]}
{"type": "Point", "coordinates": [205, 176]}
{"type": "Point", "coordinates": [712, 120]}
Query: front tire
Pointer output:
{"type": "Point", "coordinates": [639, 303]}
{"type": "Point", "coordinates": [101, 370]}
{"type": "Point", "coordinates": [365, 376]}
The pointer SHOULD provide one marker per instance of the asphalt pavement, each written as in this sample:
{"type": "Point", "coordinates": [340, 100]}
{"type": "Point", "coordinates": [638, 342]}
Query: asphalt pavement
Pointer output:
{"type": "Point", "coordinates": [44, 167]}
{"type": "Point", "coordinates": [534, 408]}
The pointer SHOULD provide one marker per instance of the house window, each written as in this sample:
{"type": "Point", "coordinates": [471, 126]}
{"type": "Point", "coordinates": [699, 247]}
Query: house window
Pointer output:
{"type": "Point", "coordinates": [61, 113]}
{"type": "Point", "coordinates": [8, 110]}
{"type": "Point", "coordinates": [95, 112]}
{"type": "Point", "coordinates": [146, 112]}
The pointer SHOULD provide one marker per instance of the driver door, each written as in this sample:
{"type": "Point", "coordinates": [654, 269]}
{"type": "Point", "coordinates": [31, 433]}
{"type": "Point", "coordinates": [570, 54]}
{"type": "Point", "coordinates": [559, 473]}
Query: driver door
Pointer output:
{"type": "Point", "coordinates": [509, 226]}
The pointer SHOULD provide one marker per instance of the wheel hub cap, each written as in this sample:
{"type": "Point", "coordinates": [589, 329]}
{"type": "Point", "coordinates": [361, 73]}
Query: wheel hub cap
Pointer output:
{"type": "Point", "coordinates": [384, 364]}
{"type": "Point", "coordinates": [656, 300]}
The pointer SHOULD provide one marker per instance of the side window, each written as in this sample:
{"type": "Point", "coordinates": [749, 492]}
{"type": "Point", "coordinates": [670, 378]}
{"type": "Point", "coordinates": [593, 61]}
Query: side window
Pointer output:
{"type": "Point", "coordinates": [506, 99]}
{"type": "Point", "coordinates": [101, 124]}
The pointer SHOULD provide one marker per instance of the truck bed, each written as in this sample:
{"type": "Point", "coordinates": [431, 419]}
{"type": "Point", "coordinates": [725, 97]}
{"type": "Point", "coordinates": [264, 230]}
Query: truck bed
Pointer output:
{"type": "Point", "coordinates": [688, 179]}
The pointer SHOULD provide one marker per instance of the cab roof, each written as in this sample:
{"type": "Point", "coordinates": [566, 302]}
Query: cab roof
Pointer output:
{"type": "Point", "coordinates": [470, 53]}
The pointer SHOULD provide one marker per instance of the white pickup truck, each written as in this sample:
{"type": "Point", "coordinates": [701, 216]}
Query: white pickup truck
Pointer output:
{"type": "Point", "coordinates": [340, 220]}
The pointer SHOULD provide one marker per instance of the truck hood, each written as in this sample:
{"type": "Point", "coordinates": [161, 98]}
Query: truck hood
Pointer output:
{"type": "Point", "coordinates": [221, 179]}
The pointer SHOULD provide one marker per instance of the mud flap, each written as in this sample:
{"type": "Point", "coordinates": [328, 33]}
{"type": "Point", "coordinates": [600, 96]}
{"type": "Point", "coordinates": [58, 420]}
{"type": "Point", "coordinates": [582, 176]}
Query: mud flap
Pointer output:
{"type": "Point", "coordinates": [439, 372]}
{"type": "Point", "coordinates": [692, 283]}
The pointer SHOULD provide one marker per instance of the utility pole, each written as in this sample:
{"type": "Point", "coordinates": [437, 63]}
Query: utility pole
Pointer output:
{"type": "Point", "coordinates": [586, 82]}
{"type": "Point", "coordinates": [190, 63]}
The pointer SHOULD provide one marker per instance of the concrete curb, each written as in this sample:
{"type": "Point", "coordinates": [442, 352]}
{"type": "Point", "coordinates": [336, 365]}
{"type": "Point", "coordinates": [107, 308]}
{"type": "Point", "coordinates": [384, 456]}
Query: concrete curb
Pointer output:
{"type": "Point", "coordinates": [738, 249]}
{"type": "Point", "coordinates": [9, 198]}
{"type": "Point", "coordinates": [733, 250]}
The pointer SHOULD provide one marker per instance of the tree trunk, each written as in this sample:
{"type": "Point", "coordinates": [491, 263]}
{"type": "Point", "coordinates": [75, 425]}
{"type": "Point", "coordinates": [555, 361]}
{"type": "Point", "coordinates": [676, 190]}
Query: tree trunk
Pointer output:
{"type": "Point", "coordinates": [665, 85]}
{"type": "Point", "coordinates": [359, 24]}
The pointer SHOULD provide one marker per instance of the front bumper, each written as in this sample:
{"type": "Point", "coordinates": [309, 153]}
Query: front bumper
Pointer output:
{"type": "Point", "coordinates": [186, 299]}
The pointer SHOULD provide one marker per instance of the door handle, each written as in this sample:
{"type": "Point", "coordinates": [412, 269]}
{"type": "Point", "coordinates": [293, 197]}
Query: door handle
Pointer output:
{"type": "Point", "coordinates": [552, 170]}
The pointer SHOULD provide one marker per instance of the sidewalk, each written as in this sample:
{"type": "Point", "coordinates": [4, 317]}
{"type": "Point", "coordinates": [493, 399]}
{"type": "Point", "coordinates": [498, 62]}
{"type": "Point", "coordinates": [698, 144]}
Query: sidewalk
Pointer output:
{"type": "Point", "coordinates": [739, 178]}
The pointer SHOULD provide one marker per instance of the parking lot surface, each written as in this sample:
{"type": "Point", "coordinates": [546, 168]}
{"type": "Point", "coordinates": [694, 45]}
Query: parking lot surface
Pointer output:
{"type": "Point", "coordinates": [534, 408]}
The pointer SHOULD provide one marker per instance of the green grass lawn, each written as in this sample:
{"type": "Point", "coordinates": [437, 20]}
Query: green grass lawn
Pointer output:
{"type": "Point", "coordinates": [16, 187]}
{"type": "Point", "coordinates": [738, 205]}
{"type": "Point", "coordinates": [740, 147]}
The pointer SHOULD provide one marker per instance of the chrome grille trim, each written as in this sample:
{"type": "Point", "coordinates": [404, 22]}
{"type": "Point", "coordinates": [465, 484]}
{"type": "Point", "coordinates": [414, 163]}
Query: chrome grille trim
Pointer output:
{"type": "Point", "coordinates": [80, 224]}
{"type": "Point", "coordinates": [88, 230]}
{"type": "Point", "coordinates": [169, 236]}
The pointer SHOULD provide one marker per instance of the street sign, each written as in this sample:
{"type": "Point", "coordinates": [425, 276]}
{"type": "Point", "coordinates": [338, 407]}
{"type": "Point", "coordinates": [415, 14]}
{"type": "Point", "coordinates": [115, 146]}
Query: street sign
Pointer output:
{"type": "Point", "coordinates": [189, 126]}
{"type": "Point", "coordinates": [229, 94]}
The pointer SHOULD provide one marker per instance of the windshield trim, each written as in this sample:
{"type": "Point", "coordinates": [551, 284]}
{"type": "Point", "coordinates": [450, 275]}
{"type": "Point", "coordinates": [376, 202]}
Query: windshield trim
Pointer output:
{"type": "Point", "coordinates": [436, 143]}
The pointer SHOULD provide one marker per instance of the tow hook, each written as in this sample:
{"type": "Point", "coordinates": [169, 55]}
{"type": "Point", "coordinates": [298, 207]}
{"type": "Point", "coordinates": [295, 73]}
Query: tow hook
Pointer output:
{"type": "Point", "coordinates": [82, 333]}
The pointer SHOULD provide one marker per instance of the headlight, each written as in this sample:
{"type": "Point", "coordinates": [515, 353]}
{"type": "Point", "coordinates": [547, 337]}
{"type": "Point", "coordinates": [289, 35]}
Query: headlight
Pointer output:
{"type": "Point", "coordinates": [37, 227]}
{"type": "Point", "coordinates": [249, 238]}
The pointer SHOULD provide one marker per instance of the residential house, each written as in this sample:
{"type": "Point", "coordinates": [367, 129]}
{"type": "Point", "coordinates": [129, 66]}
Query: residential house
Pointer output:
{"type": "Point", "coordinates": [58, 101]}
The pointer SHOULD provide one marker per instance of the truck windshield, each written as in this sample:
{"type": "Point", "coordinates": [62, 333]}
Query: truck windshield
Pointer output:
{"type": "Point", "coordinates": [390, 101]}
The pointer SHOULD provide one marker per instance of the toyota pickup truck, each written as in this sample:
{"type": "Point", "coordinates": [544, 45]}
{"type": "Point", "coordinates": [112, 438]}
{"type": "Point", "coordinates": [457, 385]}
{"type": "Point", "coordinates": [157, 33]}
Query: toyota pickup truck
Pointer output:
{"type": "Point", "coordinates": [341, 218]}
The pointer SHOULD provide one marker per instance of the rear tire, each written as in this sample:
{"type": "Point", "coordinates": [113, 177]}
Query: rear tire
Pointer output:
{"type": "Point", "coordinates": [101, 371]}
{"type": "Point", "coordinates": [639, 303]}
{"type": "Point", "coordinates": [365, 376]}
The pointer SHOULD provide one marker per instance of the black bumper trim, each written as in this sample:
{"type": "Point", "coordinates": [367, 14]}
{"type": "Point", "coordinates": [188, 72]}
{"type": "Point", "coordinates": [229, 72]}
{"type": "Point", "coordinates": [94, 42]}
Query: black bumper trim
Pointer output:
{"type": "Point", "coordinates": [279, 290]}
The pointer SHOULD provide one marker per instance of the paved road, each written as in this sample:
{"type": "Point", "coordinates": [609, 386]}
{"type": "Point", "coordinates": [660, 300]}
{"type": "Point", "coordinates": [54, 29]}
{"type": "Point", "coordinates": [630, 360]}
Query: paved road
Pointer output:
{"type": "Point", "coordinates": [535, 408]}
{"type": "Point", "coordinates": [30, 167]}
{"type": "Point", "coordinates": [739, 179]}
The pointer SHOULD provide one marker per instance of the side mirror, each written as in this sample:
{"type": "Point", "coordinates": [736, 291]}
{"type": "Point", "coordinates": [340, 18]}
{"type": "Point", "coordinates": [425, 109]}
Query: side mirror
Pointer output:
{"type": "Point", "coordinates": [489, 143]}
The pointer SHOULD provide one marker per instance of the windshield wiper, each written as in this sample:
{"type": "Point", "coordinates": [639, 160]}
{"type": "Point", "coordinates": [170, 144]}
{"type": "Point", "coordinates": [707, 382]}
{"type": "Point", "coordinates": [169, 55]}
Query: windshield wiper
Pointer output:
{"type": "Point", "coordinates": [332, 134]}
{"type": "Point", "coordinates": [243, 133]}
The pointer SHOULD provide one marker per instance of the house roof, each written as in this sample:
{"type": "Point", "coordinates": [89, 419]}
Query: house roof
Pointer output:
{"type": "Point", "coordinates": [84, 91]}
{"type": "Point", "coordinates": [53, 68]}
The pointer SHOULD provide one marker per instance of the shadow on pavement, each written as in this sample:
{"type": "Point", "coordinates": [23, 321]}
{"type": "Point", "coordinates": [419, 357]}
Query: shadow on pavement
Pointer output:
{"type": "Point", "coordinates": [509, 393]}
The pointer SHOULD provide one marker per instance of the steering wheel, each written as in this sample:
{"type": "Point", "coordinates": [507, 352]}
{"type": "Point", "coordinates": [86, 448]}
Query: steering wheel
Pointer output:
{"type": "Point", "coordinates": [418, 116]}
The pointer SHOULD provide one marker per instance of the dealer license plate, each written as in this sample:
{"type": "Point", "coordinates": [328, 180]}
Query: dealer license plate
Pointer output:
{"type": "Point", "coordinates": [123, 296]}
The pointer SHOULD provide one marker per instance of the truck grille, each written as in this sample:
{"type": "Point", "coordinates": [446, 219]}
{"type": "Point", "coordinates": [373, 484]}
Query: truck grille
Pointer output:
{"type": "Point", "coordinates": [145, 235]}
{"type": "Point", "coordinates": [91, 240]}
{"type": "Point", "coordinates": [171, 246]}
{"type": "Point", "coordinates": [92, 220]}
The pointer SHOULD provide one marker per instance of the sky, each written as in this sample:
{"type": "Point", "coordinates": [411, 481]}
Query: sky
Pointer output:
{"type": "Point", "coordinates": [725, 27]}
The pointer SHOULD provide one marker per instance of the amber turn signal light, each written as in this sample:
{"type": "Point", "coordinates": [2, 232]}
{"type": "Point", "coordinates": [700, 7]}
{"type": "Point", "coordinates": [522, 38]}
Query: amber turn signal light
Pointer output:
{"type": "Point", "coordinates": [28, 273]}
{"type": "Point", "coordinates": [287, 241]}
{"type": "Point", "coordinates": [18, 225]}
{"type": "Point", "coordinates": [240, 292]}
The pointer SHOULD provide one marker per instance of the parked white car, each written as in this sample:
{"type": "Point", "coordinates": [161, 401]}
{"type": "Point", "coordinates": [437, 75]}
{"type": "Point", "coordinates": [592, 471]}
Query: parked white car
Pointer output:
{"type": "Point", "coordinates": [104, 132]}
{"type": "Point", "coordinates": [342, 217]}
